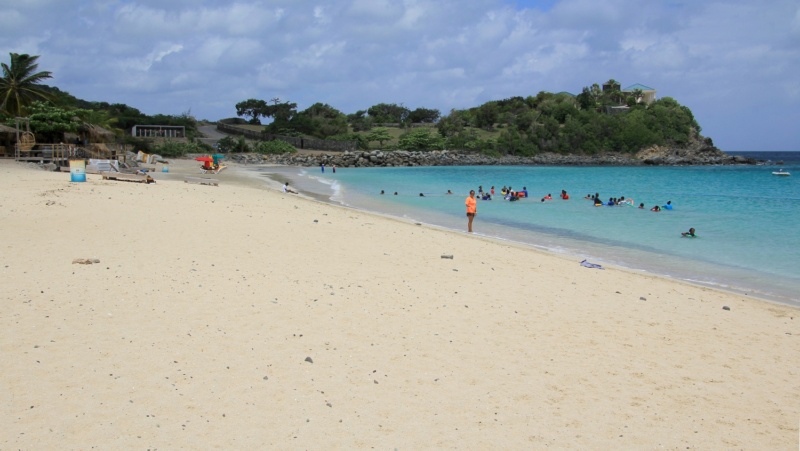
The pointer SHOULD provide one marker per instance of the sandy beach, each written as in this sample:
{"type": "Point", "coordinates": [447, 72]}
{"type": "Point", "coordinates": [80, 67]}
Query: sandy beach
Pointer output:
{"type": "Point", "coordinates": [240, 317]}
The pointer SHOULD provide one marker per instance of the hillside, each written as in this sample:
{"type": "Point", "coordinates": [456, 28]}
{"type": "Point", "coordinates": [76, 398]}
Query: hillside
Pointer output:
{"type": "Point", "coordinates": [592, 124]}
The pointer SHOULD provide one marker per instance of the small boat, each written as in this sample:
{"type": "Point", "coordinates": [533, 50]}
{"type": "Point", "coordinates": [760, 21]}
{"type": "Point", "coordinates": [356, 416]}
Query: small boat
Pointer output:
{"type": "Point", "coordinates": [781, 172]}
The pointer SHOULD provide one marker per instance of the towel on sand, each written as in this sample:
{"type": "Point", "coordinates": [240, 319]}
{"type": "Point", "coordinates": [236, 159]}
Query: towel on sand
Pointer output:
{"type": "Point", "coordinates": [591, 265]}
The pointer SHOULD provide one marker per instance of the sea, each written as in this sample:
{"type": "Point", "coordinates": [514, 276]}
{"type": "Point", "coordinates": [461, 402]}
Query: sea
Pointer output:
{"type": "Point", "coordinates": [746, 219]}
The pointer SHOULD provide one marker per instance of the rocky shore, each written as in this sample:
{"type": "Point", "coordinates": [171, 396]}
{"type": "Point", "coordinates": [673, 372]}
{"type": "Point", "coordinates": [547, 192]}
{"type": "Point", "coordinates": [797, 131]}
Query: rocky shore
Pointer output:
{"type": "Point", "coordinates": [657, 156]}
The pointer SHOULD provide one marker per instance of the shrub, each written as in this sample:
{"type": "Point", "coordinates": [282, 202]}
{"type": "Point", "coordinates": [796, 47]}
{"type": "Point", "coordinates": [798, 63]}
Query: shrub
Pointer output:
{"type": "Point", "coordinates": [273, 147]}
{"type": "Point", "coordinates": [230, 144]}
{"type": "Point", "coordinates": [421, 139]}
{"type": "Point", "coordinates": [361, 140]}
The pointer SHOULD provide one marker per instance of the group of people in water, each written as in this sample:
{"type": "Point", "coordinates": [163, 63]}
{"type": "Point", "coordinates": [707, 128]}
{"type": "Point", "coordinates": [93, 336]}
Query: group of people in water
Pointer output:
{"type": "Point", "coordinates": [508, 193]}
{"type": "Point", "coordinates": [621, 201]}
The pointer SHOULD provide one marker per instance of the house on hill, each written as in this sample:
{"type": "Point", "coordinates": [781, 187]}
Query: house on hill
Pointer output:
{"type": "Point", "coordinates": [611, 86]}
{"type": "Point", "coordinates": [648, 94]}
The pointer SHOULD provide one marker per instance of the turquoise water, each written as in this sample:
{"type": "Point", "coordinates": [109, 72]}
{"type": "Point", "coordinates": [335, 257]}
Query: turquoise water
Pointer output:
{"type": "Point", "coordinates": [745, 217]}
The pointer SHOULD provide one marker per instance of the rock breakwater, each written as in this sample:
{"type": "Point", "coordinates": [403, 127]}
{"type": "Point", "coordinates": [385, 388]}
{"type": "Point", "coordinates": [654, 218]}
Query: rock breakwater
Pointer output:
{"type": "Point", "coordinates": [401, 158]}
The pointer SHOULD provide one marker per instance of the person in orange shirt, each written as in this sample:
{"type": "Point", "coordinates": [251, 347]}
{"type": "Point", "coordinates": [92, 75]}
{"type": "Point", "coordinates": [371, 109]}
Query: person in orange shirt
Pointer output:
{"type": "Point", "coordinates": [472, 209]}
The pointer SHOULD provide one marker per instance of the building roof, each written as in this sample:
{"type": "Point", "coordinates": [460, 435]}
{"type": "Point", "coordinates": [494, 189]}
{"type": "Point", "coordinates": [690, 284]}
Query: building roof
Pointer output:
{"type": "Point", "coordinates": [638, 86]}
{"type": "Point", "coordinates": [566, 93]}
{"type": "Point", "coordinates": [8, 130]}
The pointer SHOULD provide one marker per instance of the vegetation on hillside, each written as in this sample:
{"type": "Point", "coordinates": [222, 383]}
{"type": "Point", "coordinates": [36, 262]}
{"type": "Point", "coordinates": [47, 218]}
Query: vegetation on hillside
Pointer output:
{"type": "Point", "coordinates": [597, 120]}
{"type": "Point", "coordinates": [562, 123]}
{"type": "Point", "coordinates": [52, 112]}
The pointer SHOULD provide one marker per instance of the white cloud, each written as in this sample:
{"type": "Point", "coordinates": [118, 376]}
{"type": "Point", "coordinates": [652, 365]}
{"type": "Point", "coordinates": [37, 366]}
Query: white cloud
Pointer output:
{"type": "Point", "coordinates": [715, 56]}
{"type": "Point", "coordinates": [146, 62]}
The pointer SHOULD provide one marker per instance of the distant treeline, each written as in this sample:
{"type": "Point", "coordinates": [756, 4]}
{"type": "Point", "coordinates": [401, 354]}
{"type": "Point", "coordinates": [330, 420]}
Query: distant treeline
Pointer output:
{"type": "Point", "coordinates": [595, 121]}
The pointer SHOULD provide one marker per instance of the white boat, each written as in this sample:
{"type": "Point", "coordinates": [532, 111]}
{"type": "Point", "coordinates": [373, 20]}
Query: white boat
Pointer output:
{"type": "Point", "coordinates": [781, 172]}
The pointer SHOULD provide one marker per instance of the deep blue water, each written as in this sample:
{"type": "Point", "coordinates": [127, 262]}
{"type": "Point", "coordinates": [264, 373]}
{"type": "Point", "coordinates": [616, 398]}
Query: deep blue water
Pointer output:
{"type": "Point", "coordinates": [746, 218]}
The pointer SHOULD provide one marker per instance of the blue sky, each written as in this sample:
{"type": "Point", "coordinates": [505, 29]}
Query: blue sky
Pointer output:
{"type": "Point", "coordinates": [735, 63]}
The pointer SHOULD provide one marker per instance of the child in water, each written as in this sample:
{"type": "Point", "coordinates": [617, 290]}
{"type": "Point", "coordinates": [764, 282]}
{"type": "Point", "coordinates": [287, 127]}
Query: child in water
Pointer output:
{"type": "Point", "coordinates": [689, 234]}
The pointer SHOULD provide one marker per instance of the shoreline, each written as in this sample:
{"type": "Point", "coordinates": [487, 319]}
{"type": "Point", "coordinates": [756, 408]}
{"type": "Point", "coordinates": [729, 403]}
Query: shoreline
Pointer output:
{"type": "Point", "coordinates": [576, 248]}
{"type": "Point", "coordinates": [240, 316]}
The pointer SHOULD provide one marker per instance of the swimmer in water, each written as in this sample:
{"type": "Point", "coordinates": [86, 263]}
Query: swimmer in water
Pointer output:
{"type": "Point", "coordinates": [689, 234]}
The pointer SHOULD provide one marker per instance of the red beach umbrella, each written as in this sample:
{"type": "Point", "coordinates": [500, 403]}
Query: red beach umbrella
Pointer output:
{"type": "Point", "coordinates": [206, 159]}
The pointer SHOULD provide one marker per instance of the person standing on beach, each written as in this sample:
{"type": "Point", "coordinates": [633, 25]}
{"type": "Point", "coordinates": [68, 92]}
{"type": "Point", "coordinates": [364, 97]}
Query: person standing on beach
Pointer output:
{"type": "Point", "coordinates": [472, 209]}
{"type": "Point", "coordinates": [322, 167]}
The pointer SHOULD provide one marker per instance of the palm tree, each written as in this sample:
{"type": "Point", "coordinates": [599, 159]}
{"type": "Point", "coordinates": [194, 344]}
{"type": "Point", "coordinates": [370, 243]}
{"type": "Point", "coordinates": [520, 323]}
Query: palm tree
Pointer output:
{"type": "Point", "coordinates": [638, 94]}
{"type": "Point", "coordinates": [19, 84]}
{"type": "Point", "coordinates": [611, 89]}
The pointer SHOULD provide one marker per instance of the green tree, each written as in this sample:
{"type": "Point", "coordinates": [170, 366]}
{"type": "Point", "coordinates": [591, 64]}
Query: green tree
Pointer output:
{"type": "Point", "coordinates": [379, 134]}
{"type": "Point", "coordinates": [230, 144]}
{"type": "Point", "coordinates": [487, 115]}
{"type": "Point", "coordinates": [586, 99]}
{"type": "Point", "coordinates": [360, 121]}
{"type": "Point", "coordinates": [452, 124]}
{"type": "Point", "coordinates": [252, 108]}
{"type": "Point", "coordinates": [638, 95]}
{"type": "Point", "coordinates": [524, 121]}
{"type": "Point", "coordinates": [101, 118]}
{"type": "Point", "coordinates": [282, 114]}
{"type": "Point", "coordinates": [388, 113]}
{"type": "Point", "coordinates": [320, 120]}
{"type": "Point", "coordinates": [424, 115]}
{"type": "Point", "coordinates": [125, 116]}
{"type": "Point", "coordinates": [561, 111]}
{"type": "Point", "coordinates": [611, 92]}
{"type": "Point", "coordinates": [596, 93]}
{"type": "Point", "coordinates": [19, 85]}
{"type": "Point", "coordinates": [420, 139]}
{"type": "Point", "coordinates": [49, 123]}
{"type": "Point", "coordinates": [511, 142]}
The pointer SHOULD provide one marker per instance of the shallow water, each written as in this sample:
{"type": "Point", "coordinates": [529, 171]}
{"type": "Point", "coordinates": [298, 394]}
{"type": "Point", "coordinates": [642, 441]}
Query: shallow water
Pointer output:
{"type": "Point", "coordinates": [745, 217]}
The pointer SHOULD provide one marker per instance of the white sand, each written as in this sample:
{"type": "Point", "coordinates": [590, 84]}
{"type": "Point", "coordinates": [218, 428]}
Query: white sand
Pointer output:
{"type": "Point", "coordinates": [194, 328]}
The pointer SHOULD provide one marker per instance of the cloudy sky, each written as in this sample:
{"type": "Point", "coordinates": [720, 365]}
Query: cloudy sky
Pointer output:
{"type": "Point", "coordinates": [735, 63]}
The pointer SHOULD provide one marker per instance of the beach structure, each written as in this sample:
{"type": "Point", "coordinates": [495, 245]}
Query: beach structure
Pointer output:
{"type": "Point", "coordinates": [27, 149]}
{"type": "Point", "coordinates": [158, 131]}
{"type": "Point", "coordinates": [90, 141]}
{"type": "Point", "coordinates": [7, 135]}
